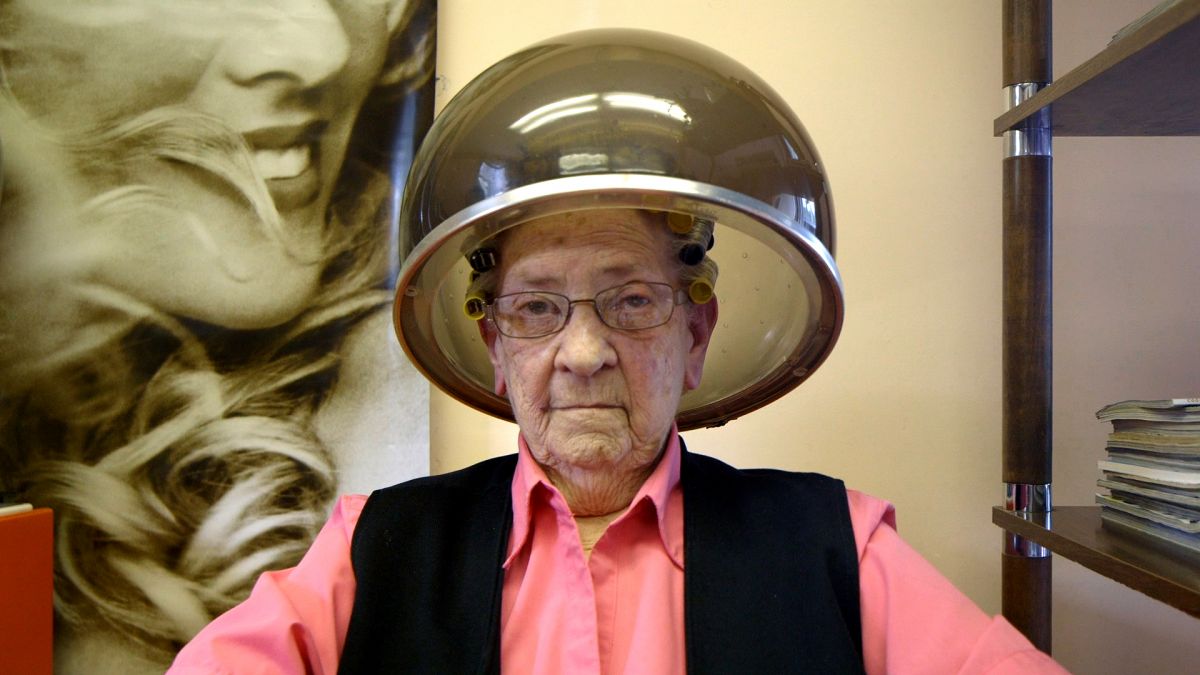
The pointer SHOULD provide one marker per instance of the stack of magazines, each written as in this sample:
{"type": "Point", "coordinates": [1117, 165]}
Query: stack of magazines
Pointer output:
{"type": "Point", "coordinates": [1152, 473]}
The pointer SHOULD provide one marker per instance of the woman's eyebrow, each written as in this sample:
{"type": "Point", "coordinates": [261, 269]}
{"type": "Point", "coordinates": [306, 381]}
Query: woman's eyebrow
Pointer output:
{"type": "Point", "coordinates": [619, 270]}
{"type": "Point", "coordinates": [519, 282]}
{"type": "Point", "coordinates": [536, 280]}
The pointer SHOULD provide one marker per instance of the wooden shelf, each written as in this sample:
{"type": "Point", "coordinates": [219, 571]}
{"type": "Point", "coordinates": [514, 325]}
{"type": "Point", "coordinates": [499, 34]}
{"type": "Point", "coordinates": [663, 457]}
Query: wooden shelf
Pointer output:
{"type": "Point", "coordinates": [1145, 84]}
{"type": "Point", "coordinates": [1171, 575]}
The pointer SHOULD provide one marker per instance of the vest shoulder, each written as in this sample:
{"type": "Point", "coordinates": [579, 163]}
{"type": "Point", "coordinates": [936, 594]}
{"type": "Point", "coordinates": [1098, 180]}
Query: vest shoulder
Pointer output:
{"type": "Point", "coordinates": [476, 475]}
{"type": "Point", "coordinates": [478, 495]}
{"type": "Point", "coordinates": [713, 469]}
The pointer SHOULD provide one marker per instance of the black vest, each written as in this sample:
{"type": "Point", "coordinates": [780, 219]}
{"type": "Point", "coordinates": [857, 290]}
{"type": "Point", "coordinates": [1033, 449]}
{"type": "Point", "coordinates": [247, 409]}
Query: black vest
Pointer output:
{"type": "Point", "coordinates": [770, 578]}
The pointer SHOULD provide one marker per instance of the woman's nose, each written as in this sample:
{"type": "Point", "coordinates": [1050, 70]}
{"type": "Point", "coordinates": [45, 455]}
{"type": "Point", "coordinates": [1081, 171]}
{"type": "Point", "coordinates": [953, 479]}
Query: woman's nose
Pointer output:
{"type": "Point", "coordinates": [584, 348]}
{"type": "Point", "coordinates": [298, 40]}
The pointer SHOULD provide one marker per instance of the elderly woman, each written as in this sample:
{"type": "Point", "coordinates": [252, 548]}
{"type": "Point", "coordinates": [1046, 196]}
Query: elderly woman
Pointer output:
{"type": "Point", "coordinates": [603, 545]}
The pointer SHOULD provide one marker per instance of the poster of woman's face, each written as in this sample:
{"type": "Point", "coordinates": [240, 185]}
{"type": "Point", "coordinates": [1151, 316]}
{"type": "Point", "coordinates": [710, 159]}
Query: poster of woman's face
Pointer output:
{"type": "Point", "coordinates": [197, 246]}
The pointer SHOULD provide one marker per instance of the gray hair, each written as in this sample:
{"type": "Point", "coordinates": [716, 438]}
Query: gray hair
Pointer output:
{"type": "Point", "coordinates": [484, 285]}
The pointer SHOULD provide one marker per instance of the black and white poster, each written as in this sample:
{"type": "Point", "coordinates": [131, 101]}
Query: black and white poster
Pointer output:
{"type": "Point", "coordinates": [197, 250]}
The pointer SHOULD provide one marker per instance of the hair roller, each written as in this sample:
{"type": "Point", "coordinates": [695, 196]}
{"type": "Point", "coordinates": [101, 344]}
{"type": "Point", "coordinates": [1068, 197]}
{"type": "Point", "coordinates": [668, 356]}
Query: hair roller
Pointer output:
{"type": "Point", "coordinates": [680, 223]}
{"type": "Point", "coordinates": [474, 306]}
{"type": "Point", "coordinates": [691, 254]}
{"type": "Point", "coordinates": [483, 259]}
{"type": "Point", "coordinates": [700, 291]}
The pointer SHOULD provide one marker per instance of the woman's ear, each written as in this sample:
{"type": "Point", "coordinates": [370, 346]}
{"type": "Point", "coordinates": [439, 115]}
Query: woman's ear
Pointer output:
{"type": "Point", "coordinates": [702, 319]}
{"type": "Point", "coordinates": [395, 12]}
{"type": "Point", "coordinates": [491, 338]}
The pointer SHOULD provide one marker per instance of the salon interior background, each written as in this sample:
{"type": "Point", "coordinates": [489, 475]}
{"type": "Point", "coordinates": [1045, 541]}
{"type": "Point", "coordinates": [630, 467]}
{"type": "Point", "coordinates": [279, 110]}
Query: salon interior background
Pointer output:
{"type": "Point", "coordinates": [899, 98]}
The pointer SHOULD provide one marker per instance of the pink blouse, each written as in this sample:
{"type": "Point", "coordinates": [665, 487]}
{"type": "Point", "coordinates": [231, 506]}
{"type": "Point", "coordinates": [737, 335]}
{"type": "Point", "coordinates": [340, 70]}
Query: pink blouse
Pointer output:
{"type": "Point", "coordinates": [625, 600]}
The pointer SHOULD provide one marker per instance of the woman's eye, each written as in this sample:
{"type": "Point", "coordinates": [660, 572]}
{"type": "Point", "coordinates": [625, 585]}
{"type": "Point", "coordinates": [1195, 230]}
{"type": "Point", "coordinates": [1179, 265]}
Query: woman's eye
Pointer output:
{"type": "Point", "coordinates": [537, 307]}
{"type": "Point", "coordinates": [633, 301]}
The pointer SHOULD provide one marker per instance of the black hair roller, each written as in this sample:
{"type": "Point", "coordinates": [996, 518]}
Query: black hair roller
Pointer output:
{"type": "Point", "coordinates": [691, 254]}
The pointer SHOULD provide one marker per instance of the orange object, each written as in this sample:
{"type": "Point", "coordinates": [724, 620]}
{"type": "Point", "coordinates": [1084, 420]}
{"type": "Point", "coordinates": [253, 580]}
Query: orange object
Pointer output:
{"type": "Point", "coordinates": [27, 592]}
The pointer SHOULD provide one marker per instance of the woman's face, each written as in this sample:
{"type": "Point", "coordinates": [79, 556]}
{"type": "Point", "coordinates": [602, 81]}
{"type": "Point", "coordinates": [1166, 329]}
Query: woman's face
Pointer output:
{"type": "Point", "coordinates": [589, 398]}
{"type": "Point", "coordinates": [288, 76]}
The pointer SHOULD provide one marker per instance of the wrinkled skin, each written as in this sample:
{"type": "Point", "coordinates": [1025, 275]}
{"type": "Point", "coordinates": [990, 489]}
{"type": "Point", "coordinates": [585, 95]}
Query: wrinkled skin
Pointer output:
{"type": "Point", "coordinates": [595, 404]}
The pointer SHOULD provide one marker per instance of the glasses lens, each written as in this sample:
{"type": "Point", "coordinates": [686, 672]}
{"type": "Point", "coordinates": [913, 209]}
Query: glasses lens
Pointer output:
{"type": "Point", "coordinates": [636, 305]}
{"type": "Point", "coordinates": [526, 315]}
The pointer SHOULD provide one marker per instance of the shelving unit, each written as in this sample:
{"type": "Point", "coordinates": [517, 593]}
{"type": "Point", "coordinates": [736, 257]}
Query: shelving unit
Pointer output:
{"type": "Point", "coordinates": [1147, 83]}
{"type": "Point", "coordinates": [1075, 533]}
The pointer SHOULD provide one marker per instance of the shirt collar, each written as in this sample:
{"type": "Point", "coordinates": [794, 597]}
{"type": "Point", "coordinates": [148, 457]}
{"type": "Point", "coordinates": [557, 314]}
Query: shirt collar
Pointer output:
{"type": "Point", "coordinates": [660, 492]}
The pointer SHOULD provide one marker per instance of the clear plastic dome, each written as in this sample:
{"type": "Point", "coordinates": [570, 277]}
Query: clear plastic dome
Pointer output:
{"type": "Point", "coordinates": [621, 118]}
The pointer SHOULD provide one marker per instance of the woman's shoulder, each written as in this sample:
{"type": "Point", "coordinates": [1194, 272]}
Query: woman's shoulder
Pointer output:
{"type": "Point", "coordinates": [867, 515]}
{"type": "Point", "coordinates": [346, 512]}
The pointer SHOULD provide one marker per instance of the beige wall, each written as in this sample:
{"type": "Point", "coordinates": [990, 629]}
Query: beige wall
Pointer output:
{"type": "Point", "coordinates": [899, 98]}
{"type": "Point", "coordinates": [1127, 325]}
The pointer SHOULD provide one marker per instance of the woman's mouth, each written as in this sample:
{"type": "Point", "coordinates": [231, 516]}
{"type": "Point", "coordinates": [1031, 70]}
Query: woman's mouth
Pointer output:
{"type": "Point", "coordinates": [287, 159]}
{"type": "Point", "coordinates": [584, 406]}
{"type": "Point", "coordinates": [290, 162]}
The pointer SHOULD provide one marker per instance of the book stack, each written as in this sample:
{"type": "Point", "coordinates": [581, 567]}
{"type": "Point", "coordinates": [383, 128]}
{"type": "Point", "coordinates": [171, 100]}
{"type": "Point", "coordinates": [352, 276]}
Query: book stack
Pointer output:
{"type": "Point", "coordinates": [1152, 473]}
{"type": "Point", "coordinates": [26, 590]}
{"type": "Point", "coordinates": [1144, 19]}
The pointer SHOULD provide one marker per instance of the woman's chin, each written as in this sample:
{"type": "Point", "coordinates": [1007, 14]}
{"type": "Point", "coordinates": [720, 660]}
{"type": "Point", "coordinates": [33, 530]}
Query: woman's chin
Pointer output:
{"type": "Point", "coordinates": [252, 310]}
{"type": "Point", "coordinates": [102, 652]}
{"type": "Point", "coordinates": [590, 450]}
{"type": "Point", "coordinates": [273, 290]}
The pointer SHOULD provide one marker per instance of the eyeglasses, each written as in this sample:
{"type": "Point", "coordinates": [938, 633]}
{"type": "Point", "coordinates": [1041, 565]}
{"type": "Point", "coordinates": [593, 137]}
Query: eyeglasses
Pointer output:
{"type": "Point", "coordinates": [636, 305]}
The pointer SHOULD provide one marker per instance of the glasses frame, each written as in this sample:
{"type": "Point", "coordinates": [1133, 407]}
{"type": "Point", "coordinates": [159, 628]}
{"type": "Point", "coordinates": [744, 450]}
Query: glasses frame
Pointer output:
{"type": "Point", "coordinates": [679, 296]}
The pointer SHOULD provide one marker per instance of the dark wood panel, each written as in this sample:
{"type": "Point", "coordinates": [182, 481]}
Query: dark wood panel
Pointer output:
{"type": "Point", "coordinates": [1026, 334]}
{"type": "Point", "coordinates": [1026, 599]}
{"type": "Point", "coordinates": [1166, 573]}
{"type": "Point", "coordinates": [1026, 28]}
{"type": "Point", "coordinates": [1146, 84]}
